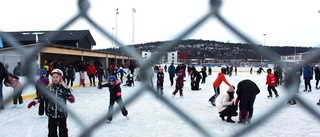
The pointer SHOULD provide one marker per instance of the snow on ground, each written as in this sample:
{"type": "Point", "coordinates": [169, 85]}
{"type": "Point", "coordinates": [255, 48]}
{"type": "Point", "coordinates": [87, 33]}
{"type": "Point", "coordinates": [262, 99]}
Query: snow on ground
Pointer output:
{"type": "Point", "coordinates": [149, 117]}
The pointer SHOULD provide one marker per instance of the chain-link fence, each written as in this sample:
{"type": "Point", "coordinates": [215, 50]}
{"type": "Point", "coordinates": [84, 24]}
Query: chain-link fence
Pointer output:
{"type": "Point", "coordinates": [213, 13]}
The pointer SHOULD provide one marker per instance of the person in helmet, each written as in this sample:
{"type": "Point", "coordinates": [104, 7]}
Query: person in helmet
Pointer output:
{"type": "Point", "coordinates": [216, 85]}
{"type": "Point", "coordinates": [271, 82]}
{"type": "Point", "coordinates": [56, 114]}
{"type": "Point", "coordinates": [42, 82]}
{"type": "Point", "coordinates": [115, 96]}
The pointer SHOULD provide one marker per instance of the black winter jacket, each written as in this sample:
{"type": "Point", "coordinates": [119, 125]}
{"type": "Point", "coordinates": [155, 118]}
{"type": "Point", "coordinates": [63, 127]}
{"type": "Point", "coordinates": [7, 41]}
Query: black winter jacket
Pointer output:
{"type": "Point", "coordinates": [61, 94]}
{"type": "Point", "coordinates": [113, 89]}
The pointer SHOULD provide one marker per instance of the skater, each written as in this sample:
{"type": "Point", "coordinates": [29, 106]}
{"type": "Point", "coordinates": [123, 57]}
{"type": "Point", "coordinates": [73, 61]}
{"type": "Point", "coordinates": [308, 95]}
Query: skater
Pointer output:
{"type": "Point", "coordinates": [91, 72]}
{"type": "Point", "coordinates": [115, 96]}
{"type": "Point", "coordinates": [131, 68]}
{"type": "Point", "coordinates": [172, 73]}
{"type": "Point", "coordinates": [317, 75]}
{"type": "Point", "coordinates": [195, 79]}
{"type": "Point", "coordinates": [246, 92]}
{"type": "Point", "coordinates": [82, 69]}
{"type": "Point", "coordinates": [230, 71]}
{"type": "Point", "coordinates": [204, 76]}
{"type": "Point", "coordinates": [56, 114]}
{"type": "Point", "coordinates": [209, 69]}
{"type": "Point", "coordinates": [43, 82]}
{"type": "Point", "coordinates": [179, 84]}
{"type": "Point", "coordinates": [293, 80]}
{"type": "Point", "coordinates": [216, 85]}
{"type": "Point", "coordinates": [14, 82]}
{"type": "Point", "coordinates": [3, 76]}
{"type": "Point", "coordinates": [165, 68]}
{"type": "Point", "coordinates": [71, 75]}
{"type": "Point", "coordinates": [160, 80]}
{"type": "Point", "coordinates": [227, 106]}
{"type": "Point", "coordinates": [129, 81]}
{"type": "Point", "coordinates": [235, 70]}
{"type": "Point", "coordinates": [251, 70]}
{"type": "Point", "coordinates": [271, 82]}
{"type": "Point", "coordinates": [278, 74]}
{"type": "Point", "coordinates": [307, 76]}
{"type": "Point", "coordinates": [121, 72]}
{"type": "Point", "coordinates": [100, 75]}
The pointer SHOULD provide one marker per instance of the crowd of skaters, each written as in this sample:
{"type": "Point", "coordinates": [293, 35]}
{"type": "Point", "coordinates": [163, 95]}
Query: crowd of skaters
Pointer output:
{"type": "Point", "coordinates": [228, 104]}
{"type": "Point", "coordinates": [275, 77]}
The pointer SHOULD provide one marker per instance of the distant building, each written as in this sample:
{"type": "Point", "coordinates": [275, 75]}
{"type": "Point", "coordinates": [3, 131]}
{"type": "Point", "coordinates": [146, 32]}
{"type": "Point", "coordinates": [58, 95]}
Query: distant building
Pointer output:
{"type": "Point", "coordinates": [71, 38]}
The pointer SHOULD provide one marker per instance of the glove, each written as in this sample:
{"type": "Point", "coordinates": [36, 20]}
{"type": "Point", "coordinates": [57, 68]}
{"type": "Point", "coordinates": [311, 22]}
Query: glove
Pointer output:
{"type": "Point", "coordinates": [119, 94]}
{"type": "Point", "coordinates": [32, 103]}
{"type": "Point", "coordinates": [71, 99]}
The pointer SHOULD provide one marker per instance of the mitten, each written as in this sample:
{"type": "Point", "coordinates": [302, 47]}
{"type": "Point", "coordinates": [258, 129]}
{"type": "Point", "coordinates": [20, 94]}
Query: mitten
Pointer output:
{"type": "Point", "coordinates": [71, 99]}
{"type": "Point", "coordinates": [32, 103]}
{"type": "Point", "coordinates": [119, 94]}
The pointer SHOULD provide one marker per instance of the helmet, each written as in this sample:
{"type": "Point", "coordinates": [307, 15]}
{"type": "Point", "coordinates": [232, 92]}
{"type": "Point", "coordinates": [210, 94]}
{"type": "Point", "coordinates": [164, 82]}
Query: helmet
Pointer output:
{"type": "Point", "coordinates": [112, 79]}
{"type": "Point", "coordinates": [42, 72]}
{"type": "Point", "coordinates": [57, 71]}
{"type": "Point", "coordinates": [269, 70]}
{"type": "Point", "coordinates": [223, 70]}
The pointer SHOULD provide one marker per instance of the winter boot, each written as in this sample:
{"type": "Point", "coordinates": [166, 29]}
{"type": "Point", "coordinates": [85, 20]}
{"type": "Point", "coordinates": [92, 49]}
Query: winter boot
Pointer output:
{"type": "Point", "coordinates": [229, 119]}
{"type": "Point", "coordinates": [222, 117]}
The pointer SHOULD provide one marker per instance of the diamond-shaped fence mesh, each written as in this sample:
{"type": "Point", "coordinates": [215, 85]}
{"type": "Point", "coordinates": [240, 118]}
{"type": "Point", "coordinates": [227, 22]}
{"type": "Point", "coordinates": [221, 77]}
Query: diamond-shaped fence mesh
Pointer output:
{"type": "Point", "coordinates": [84, 5]}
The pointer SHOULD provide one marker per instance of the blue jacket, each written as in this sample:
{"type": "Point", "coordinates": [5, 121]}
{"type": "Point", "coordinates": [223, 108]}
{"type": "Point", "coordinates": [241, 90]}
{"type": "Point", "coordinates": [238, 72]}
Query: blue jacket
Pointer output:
{"type": "Point", "coordinates": [172, 69]}
{"type": "Point", "coordinates": [307, 72]}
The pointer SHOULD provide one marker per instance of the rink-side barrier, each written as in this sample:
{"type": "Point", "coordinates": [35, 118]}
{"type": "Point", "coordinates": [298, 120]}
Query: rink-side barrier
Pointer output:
{"type": "Point", "coordinates": [30, 92]}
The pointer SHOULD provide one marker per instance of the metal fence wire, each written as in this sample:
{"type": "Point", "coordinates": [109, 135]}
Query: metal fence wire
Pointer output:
{"type": "Point", "coordinates": [213, 13]}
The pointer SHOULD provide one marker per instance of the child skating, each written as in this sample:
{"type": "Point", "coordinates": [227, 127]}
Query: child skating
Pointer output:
{"type": "Point", "coordinates": [13, 81]}
{"type": "Point", "coordinates": [271, 82]}
{"type": "Point", "coordinates": [179, 84]}
{"type": "Point", "coordinates": [56, 114]}
{"type": "Point", "coordinates": [160, 80]}
{"type": "Point", "coordinates": [216, 85]}
{"type": "Point", "coordinates": [115, 96]}
{"type": "Point", "coordinates": [43, 81]}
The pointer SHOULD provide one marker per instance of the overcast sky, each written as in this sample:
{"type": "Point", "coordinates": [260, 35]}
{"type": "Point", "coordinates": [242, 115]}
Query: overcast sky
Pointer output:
{"type": "Point", "coordinates": [285, 22]}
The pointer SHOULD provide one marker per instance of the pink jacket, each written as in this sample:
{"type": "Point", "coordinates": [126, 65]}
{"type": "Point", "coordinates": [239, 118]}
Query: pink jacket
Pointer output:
{"type": "Point", "coordinates": [14, 83]}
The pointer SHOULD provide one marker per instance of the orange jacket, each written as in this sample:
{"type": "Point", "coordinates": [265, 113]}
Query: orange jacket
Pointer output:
{"type": "Point", "coordinates": [219, 80]}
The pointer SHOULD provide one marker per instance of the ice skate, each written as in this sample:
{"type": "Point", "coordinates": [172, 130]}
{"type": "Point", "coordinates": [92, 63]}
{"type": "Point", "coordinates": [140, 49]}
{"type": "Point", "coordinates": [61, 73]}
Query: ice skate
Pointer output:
{"type": "Point", "coordinates": [14, 106]}
{"type": "Point", "coordinates": [270, 96]}
{"type": "Point", "coordinates": [108, 121]}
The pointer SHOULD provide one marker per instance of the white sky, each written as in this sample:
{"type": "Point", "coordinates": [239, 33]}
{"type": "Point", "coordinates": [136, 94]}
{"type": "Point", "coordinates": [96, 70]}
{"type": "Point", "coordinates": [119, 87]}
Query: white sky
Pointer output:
{"type": "Point", "coordinates": [285, 22]}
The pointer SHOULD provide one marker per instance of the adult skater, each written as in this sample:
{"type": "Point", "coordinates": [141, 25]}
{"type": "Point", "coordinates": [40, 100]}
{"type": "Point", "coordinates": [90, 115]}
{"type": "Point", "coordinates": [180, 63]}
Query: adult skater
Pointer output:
{"type": "Point", "coordinates": [246, 92]}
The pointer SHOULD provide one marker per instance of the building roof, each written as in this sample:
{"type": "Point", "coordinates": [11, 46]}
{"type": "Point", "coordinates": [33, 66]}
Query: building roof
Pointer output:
{"type": "Point", "coordinates": [65, 35]}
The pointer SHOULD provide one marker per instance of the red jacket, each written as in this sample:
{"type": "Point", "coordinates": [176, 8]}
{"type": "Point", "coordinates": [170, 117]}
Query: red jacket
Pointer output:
{"type": "Point", "coordinates": [91, 70]}
{"type": "Point", "coordinates": [219, 80]}
{"type": "Point", "coordinates": [271, 80]}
